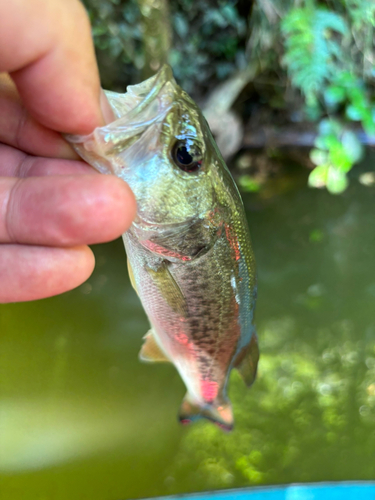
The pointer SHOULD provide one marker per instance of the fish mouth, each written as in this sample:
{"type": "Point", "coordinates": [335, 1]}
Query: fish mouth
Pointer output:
{"type": "Point", "coordinates": [138, 97]}
{"type": "Point", "coordinates": [143, 105]}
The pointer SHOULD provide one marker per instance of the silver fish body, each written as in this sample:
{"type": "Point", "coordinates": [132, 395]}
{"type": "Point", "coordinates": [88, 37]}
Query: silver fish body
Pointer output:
{"type": "Point", "coordinates": [189, 251]}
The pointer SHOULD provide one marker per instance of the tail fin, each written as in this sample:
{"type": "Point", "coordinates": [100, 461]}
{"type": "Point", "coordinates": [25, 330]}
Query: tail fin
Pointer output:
{"type": "Point", "coordinates": [219, 414]}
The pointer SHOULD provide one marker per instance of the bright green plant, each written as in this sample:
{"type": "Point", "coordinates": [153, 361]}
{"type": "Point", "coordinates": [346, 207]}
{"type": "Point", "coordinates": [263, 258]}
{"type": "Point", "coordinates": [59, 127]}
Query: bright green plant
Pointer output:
{"type": "Point", "coordinates": [319, 60]}
{"type": "Point", "coordinates": [336, 151]}
{"type": "Point", "coordinates": [312, 53]}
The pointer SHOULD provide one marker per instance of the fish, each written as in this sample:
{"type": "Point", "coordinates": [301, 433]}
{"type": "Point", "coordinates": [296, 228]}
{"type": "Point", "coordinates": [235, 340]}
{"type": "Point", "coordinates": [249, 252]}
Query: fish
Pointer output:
{"type": "Point", "coordinates": [189, 252]}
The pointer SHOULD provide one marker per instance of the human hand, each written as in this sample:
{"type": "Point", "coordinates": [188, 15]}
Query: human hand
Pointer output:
{"type": "Point", "coordinates": [51, 205]}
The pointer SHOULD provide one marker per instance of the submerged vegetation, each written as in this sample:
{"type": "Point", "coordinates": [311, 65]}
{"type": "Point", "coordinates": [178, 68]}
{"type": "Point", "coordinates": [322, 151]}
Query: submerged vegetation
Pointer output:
{"type": "Point", "coordinates": [317, 395]}
{"type": "Point", "coordinates": [312, 62]}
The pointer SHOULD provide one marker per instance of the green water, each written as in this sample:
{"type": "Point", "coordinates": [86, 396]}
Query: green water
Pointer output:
{"type": "Point", "coordinates": [81, 418]}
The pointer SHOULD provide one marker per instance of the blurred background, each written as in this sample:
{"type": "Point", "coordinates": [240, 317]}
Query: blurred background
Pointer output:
{"type": "Point", "coordinates": [293, 82]}
{"type": "Point", "coordinates": [269, 74]}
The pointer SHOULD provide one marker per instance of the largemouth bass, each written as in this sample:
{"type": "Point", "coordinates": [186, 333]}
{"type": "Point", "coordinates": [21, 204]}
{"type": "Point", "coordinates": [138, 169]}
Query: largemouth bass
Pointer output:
{"type": "Point", "coordinates": [189, 252]}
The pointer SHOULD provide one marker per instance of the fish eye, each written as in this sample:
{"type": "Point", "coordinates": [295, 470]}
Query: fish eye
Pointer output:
{"type": "Point", "coordinates": [188, 157]}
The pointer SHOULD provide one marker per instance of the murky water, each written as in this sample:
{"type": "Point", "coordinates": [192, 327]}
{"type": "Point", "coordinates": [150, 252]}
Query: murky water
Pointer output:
{"type": "Point", "coordinates": [81, 418]}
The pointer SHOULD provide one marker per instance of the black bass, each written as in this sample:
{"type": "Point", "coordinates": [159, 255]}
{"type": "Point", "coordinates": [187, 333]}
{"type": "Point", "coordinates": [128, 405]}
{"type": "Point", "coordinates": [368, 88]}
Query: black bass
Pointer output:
{"type": "Point", "coordinates": [189, 251]}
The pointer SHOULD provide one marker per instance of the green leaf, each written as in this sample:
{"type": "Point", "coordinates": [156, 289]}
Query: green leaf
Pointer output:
{"type": "Point", "coordinates": [353, 113]}
{"type": "Point", "coordinates": [332, 141]}
{"type": "Point", "coordinates": [320, 142]}
{"type": "Point", "coordinates": [368, 123]}
{"type": "Point", "coordinates": [334, 95]}
{"type": "Point", "coordinates": [181, 25]}
{"type": "Point", "coordinates": [318, 156]}
{"type": "Point", "coordinates": [318, 177]}
{"type": "Point", "coordinates": [312, 53]}
{"type": "Point", "coordinates": [329, 127]}
{"type": "Point", "coordinates": [339, 158]}
{"type": "Point", "coordinates": [337, 181]}
{"type": "Point", "coordinates": [248, 183]}
{"type": "Point", "coordinates": [352, 146]}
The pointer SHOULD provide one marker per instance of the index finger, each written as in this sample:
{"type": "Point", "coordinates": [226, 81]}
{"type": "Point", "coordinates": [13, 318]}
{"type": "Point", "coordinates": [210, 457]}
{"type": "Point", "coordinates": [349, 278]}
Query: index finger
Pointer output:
{"type": "Point", "coordinates": [47, 48]}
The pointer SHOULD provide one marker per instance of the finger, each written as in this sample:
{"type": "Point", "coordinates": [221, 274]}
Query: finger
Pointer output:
{"type": "Point", "coordinates": [15, 163]}
{"type": "Point", "coordinates": [31, 273]}
{"type": "Point", "coordinates": [47, 48]}
{"type": "Point", "coordinates": [19, 129]}
{"type": "Point", "coordinates": [64, 211]}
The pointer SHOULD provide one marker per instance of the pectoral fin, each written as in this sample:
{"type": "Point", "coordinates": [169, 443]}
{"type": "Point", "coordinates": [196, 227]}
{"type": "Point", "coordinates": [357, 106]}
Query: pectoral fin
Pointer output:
{"type": "Point", "coordinates": [150, 350]}
{"type": "Point", "coordinates": [169, 289]}
{"type": "Point", "coordinates": [131, 276]}
{"type": "Point", "coordinates": [247, 361]}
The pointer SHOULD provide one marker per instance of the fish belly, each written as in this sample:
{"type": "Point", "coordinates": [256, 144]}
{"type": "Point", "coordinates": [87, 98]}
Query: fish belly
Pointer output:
{"type": "Point", "coordinates": [202, 335]}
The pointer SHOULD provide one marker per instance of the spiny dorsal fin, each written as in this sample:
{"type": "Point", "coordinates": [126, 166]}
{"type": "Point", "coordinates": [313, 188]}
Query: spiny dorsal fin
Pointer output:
{"type": "Point", "coordinates": [247, 361]}
{"type": "Point", "coordinates": [150, 350]}
{"type": "Point", "coordinates": [169, 289]}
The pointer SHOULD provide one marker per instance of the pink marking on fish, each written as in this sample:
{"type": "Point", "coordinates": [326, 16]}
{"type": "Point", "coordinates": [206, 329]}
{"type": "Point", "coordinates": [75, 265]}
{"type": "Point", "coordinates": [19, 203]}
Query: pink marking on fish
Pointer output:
{"type": "Point", "coordinates": [154, 247]}
{"type": "Point", "coordinates": [182, 338]}
{"type": "Point", "coordinates": [233, 241]}
{"type": "Point", "coordinates": [209, 390]}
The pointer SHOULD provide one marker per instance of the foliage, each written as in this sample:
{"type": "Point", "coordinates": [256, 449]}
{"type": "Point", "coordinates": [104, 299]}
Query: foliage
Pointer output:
{"type": "Point", "coordinates": [317, 42]}
{"type": "Point", "coordinates": [209, 41]}
{"type": "Point", "coordinates": [249, 184]}
{"type": "Point", "coordinates": [116, 28]}
{"type": "Point", "coordinates": [315, 60]}
{"type": "Point", "coordinates": [335, 152]}
{"type": "Point", "coordinates": [312, 55]}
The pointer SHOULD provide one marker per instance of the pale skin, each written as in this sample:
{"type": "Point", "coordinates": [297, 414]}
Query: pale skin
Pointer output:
{"type": "Point", "coordinates": [51, 205]}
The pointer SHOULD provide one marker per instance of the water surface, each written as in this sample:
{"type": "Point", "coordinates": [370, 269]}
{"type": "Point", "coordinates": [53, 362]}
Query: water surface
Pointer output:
{"type": "Point", "coordinates": [81, 418]}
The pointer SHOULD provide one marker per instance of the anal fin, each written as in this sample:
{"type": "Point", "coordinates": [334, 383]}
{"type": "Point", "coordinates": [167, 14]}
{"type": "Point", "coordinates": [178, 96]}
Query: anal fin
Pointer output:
{"type": "Point", "coordinates": [150, 351]}
{"type": "Point", "coordinates": [247, 361]}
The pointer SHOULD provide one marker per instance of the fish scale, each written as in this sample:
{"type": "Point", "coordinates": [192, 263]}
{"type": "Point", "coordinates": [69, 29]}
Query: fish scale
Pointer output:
{"type": "Point", "coordinates": [189, 251]}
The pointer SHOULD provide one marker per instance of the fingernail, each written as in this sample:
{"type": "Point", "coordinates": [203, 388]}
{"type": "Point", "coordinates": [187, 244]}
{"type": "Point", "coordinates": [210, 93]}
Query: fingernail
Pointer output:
{"type": "Point", "coordinates": [107, 112]}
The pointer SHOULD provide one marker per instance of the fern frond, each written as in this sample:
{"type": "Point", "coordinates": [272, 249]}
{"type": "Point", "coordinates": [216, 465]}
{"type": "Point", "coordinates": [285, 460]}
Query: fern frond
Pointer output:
{"type": "Point", "coordinates": [312, 46]}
